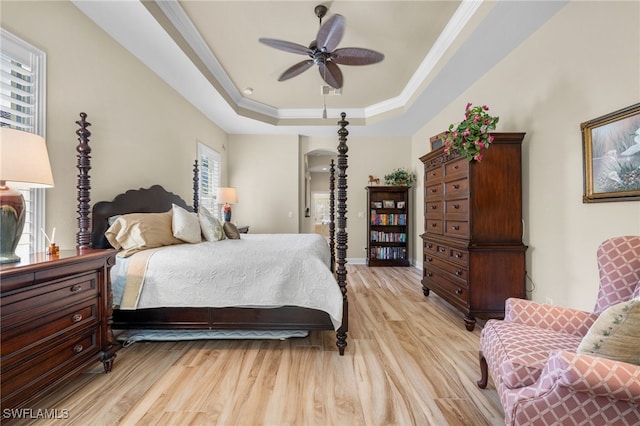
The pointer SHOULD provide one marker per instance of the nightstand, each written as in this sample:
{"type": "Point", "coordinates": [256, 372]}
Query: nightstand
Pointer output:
{"type": "Point", "coordinates": [55, 321]}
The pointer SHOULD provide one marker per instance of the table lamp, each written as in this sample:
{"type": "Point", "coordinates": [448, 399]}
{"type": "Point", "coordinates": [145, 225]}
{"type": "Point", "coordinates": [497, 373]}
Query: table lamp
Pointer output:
{"type": "Point", "coordinates": [226, 196]}
{"type": "Point", "coordinates": [24, 161]}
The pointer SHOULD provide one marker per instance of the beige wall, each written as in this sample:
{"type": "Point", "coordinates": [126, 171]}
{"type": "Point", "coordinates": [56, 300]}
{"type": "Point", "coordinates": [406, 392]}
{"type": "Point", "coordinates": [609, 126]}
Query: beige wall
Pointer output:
{"type": "Point", "coordinates": [264, 169]}
{"type": "Point", "coordinates": [572, 70]}
{"type": "Point", "coordinates": [143, 132]}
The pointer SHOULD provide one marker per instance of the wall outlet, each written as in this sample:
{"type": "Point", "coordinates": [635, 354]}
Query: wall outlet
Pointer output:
{"type": "Point", "coordinates": [548, 301]}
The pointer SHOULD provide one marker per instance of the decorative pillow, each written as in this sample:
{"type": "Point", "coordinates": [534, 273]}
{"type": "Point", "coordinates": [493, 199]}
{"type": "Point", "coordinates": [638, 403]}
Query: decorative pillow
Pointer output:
{"type": "Point", "coordinates": [615, 334]}
{"type": "Point", "coordinates": [210, 226]}
{"type": "Point", "coordinates": [139, 231]}
{"type": "Point", "coordinates": [185, 225]}
{"type": "Point", "coordinates": [231, 231]}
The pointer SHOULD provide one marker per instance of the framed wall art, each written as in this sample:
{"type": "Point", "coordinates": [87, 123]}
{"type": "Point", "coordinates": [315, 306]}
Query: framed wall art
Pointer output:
{"type": "Point", "coordinates": [611, 154]}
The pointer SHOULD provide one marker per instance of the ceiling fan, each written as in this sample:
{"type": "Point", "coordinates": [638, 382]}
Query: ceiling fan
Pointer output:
{"type": "Point", "coordinates": [323, 52]}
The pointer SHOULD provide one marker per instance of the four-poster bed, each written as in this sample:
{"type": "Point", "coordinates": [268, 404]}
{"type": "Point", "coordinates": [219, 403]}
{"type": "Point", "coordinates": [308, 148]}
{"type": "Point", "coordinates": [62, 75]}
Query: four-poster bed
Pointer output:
{"type": "Point", "coordinates": [157, 200]}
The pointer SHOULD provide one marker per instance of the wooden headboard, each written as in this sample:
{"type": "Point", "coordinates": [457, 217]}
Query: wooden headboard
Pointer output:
{"type": "Point", "coordinates": [150, 200]}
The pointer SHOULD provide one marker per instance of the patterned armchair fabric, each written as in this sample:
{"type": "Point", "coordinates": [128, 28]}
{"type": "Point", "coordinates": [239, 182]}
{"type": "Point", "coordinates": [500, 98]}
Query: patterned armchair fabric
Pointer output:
{"type": "Point", "coordinates": [531, 354]}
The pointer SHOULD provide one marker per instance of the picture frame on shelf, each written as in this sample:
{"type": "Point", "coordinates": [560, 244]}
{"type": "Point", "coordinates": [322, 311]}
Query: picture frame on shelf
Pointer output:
{"type": "Point", "coordinates": [611, 156]}
{"type": "Point", "coordinates": [400, 205]}
{"type": "Point", "coordinates": [388, 204]}
{"type": "Point", "coordinates": [376, 204]}
{"type": "Point", "coordinates": [437, 141]}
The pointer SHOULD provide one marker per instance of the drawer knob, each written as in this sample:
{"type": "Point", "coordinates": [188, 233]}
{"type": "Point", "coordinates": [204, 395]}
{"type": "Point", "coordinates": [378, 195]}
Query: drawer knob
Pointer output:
{"type": "Point", "coordinates": [456, 227]}
{"type": "Point", "coordinates": [458, 290]}
{"type": "Point", "coordinates": [458, 255]}
{"type": "Point", "coordinates": [458, 272]}
{"type": "Point", "coordinates": [76, 288]}
{"type": "Point", "coordinates": [456, 167]}
{"type": "Point", "coordinates": [442, 249]}
{"type": "Point", "coordinates": [429, 259]}
{"type": "Point", "coordinates": [433, 225]}
{"type": "Point", "coordinates": [434, 190]}
{"type": "Point", "coordinates": [433, 207]}
{"type": "Point", "coordinates": [430, 245]}
{"type": "Point", "coordinates": [429, 274]}
{"type": "Point", "coordinates": [77, 318]}
{"type": "Point", "coordinates": [456, 186]}
{"type": "Point", "coordinates": [78, 348]}
{"type": "Point", "coordinates": [456, 206]}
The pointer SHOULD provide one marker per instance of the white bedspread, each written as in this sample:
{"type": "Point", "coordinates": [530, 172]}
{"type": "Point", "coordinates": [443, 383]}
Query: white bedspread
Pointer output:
{"type": "Point", "coordinates": [259, 270]}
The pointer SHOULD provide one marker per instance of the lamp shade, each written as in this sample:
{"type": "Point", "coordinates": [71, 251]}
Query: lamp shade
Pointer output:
{"type": "Point", "coordinates": [24, 159]}
{"type": "Point", "coordinates": [227, 196]}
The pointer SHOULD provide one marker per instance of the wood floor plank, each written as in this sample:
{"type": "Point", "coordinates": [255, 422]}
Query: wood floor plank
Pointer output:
{"type": "Point", "coordinates": [409, 361]}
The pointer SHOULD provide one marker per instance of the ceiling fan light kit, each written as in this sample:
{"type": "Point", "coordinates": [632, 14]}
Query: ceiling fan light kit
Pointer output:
{"type": "Point", "coordinates": [323, 53]}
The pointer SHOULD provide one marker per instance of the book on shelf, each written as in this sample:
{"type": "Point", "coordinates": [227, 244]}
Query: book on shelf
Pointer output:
{"type": "Point", "coordinates": [388, 253]}
{"type": "Point", "coordinates": [388, 218]}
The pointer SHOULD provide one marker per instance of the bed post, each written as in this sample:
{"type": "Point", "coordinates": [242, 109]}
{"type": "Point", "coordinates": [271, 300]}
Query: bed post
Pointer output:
{"type": "Point", "coordinates": [196, 187]}
{"type": "Point", "coordinates": [83, 237]}
{"type": "Point", "coordinates": [332, 215]}
{"type": "Point", "coordinates": [341, 271]}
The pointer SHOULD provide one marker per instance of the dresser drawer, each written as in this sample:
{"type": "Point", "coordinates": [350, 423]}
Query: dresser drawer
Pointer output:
{"type": "Point", "coordinates": [452, 291]}
{"type": "Point", "coordinates": [433, 209]}
{"type": "Point", "coordinates": [449, 270]}
{"type": "Point", "coordinates": [458, 188]}
{"type": "Point", "coordinates": [42, 369]}
{"type": "Point", "coordinates": [457, 168]}
{"type": "Point", "coordinates": [39, 331]}
{"type": "Point", "coordinates": [451, 254]}
{"type": "Point", "coordinates": [433, 192]}
{"type": "Point", "coordinates": [457, 228]}
{"type": "Point", "coordinates": [433, 174]}
{"type": "Point", "coordinates": [39, 300]}
{"type": "Point", "coordinates": [456, 209]}
{"type": "Point", "coordinates": [434, 226]}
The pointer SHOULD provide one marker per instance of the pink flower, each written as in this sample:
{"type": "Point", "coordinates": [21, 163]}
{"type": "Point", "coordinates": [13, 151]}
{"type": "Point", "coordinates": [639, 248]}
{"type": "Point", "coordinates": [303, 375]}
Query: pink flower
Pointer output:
{"type": "Point", "coordinates": [476, 118]}
{"type": "Point", "coordinates": [446, 149]}
{"type": "Point", "coordinates": [477, 157]}
{"type": "Point", "coordinates": [490, 139]}
{"type": "Point", "coordinates": [484, 107]}
{"type": "Point", "coordinates": [468, 106]}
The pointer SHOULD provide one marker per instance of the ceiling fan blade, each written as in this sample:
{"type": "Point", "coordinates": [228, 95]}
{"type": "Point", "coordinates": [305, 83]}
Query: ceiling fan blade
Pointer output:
{"type": "Point", "coordinates": [296, 69]}
{"type": "Point", "coordinates": [331, 74]}
{"type": "Point", "coordinates": [356, 56]}
{"type": "Point", "coordinates": [331, 33]}
{"type": "Point", "coordinates": [287, 46]}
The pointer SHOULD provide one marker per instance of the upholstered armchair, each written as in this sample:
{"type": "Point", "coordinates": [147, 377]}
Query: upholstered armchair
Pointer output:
{"type": "Point", "coordinates": [556, 366]}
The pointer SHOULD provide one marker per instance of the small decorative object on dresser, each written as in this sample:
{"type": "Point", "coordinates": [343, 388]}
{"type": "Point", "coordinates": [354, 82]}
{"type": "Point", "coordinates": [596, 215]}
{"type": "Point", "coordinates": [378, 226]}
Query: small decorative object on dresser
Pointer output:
{"type": "Point", "coordinates": [55, 320]}
{"type": "Point", "coordinates": [373, 179]}
{"type": "Point", "coordinates": [388, 226]}
{"type": "Point", "coordinates": [473, 256]}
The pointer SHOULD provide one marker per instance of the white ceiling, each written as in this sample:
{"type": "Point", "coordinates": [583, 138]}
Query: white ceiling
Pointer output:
{"type": "Point", "coordinates": [209, 52]}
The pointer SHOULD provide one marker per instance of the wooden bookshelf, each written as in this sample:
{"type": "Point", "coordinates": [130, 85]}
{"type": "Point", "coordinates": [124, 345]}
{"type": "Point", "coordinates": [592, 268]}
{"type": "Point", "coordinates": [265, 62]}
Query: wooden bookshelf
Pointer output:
{"type": "Point", "coordinates": [388, 226]}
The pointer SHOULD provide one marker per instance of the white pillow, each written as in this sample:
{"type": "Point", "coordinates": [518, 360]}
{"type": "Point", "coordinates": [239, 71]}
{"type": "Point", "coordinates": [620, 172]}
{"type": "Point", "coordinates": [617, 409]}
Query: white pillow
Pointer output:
{"type": "Point", "coordinates": [185, 225]}
{"type": "Point", "coordinates": [211, 227]}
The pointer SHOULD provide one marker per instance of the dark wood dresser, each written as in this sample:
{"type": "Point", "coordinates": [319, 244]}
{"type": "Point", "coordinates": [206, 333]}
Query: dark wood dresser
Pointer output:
{"type": "Point", "coordinates": [473, 255]}
{"type": "Point", "coordinates": [55, 321]}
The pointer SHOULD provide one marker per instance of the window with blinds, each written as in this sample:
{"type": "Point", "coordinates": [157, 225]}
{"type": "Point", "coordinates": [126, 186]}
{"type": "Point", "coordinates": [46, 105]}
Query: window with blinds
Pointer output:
{"type": "Point", "coordinates": [209, 178]}
{"type": "Point", "coordinates": [22, 107]}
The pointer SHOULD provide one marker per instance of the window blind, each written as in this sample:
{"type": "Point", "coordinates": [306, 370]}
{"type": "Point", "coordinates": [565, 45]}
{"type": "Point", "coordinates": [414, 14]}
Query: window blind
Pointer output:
{"type": "Point", "coordinates": [209, 178]}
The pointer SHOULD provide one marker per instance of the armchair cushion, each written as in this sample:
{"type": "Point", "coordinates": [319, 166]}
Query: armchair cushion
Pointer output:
{"type": "Point", "coordinates": [521, 360]}
{"type": "Point", "coordinates": [556, 318]}
{"type": "Point", "coordinates": [615, 334]}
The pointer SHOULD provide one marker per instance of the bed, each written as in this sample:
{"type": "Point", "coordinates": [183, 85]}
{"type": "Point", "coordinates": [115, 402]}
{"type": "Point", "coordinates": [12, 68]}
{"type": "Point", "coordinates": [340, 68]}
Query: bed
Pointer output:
{"type": "Point", "coordinates": [243, 315]}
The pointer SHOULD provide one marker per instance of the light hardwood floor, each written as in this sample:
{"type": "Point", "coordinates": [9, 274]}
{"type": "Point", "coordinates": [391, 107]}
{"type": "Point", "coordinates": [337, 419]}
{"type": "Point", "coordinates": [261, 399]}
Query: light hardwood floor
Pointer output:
{"type": "Point", "coordinates": [409, 361]}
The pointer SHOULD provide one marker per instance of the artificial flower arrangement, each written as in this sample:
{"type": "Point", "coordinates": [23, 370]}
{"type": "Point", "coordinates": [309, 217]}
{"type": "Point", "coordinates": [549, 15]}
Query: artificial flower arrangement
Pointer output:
{"type": "Point", "coordinates": [472, 134]}
{"type": "Point", "coordinates": [400, 177]}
